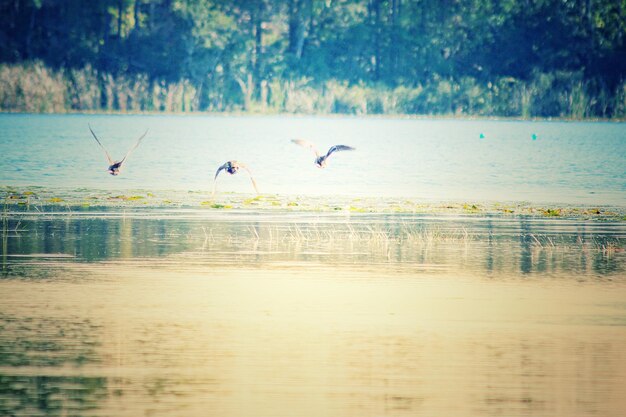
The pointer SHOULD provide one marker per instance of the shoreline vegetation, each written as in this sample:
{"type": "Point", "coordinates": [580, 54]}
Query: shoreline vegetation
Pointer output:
{"type": "Point", "coordinates": [40, 200]}
{"type": "Point", "coordinates": [35, 88]}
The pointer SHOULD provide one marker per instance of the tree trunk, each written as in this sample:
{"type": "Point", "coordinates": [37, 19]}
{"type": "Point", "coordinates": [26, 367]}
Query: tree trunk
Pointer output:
{"type": "Point", "coordinates": [294, 24]}
{"type": "Point", "coordinates": [120, 10]}
{"type": "Point", "coordinates": [376, 33]}
{"type": "Point", "coordinates": [136, 15]}
{"type": "Point", "coordinates": [247, 88]}
{"type": "Point", "coordinates": [395, 30]}
{"type": "Point", "coordinates": [258, 46]}
{"type": "Point", "coordinates": [29, 35]}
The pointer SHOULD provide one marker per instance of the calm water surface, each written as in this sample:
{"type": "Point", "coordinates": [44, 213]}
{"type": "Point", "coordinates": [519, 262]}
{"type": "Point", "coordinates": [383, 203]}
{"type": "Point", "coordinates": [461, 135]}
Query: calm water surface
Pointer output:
{"type": "Point", "coordinates": [192, 312]}
{"type": "Point", "coordinates": [569, 162]}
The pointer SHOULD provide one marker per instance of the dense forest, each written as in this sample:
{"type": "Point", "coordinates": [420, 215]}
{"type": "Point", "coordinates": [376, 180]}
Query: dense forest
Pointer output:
{"type": "Point", "coordinates": [517, 58]}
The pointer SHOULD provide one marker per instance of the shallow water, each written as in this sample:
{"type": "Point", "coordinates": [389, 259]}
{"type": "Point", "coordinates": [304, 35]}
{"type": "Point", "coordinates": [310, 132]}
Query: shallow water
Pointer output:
{"type": "Point", "coordinates": [569, 162]}
{"type": "Point", "coordinates": [193, 312]}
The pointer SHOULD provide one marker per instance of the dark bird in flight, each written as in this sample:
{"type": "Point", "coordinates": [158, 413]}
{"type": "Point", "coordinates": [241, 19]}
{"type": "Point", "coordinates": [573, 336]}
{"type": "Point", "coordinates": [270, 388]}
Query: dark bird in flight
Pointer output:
{"type": "Point", "coordinates": [115, 166]}
{"type": "Point", "coordinates": [232, 167]}
{"type": "Point", "coordinates": [321, 160]}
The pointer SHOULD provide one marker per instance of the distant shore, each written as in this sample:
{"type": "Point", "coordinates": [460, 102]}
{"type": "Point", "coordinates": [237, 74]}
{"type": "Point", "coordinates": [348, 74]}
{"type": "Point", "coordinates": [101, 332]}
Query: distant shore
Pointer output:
{"type": "Point", "coordinates": [394, 116]}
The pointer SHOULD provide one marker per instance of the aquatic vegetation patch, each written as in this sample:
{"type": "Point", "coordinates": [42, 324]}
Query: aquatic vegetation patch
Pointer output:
{"type": "Point", "coordinates": [552, 212]}
{"type": "Point", "coordinates": [506, 210]}
{"type": "Point", "coordinates": [470, 207]}
{"type": "Point", "coordinates": [250, 201]}
{"type": "Point", "coordinates": [217, 205]}
{"type": "Point", "coordinates": [36, 198]}
{"type": "Point", "coordinates": [213, 204]}
{"type": "Point", "coordinates": [127, 197]}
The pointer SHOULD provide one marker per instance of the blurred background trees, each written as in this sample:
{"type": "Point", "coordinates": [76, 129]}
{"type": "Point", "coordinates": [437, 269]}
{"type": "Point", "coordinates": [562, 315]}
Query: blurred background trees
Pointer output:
{"type": "Point", "coordinates": [561, 58]}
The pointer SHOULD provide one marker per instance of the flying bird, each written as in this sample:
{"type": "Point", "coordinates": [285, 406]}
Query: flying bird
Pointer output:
{"type": "Point", "coordinates": [321, 160]}
{"type": "Point", "coordinates": [232, 167]}
{"type": "Point", "coordinates": [115, 166]}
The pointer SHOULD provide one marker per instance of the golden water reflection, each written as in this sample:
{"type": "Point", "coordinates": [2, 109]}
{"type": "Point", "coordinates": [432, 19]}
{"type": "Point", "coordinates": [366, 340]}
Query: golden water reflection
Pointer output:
{"type": "Point", "coordinates": [234, 342]}
{"type": "Point", "coordinates": [308, 316]}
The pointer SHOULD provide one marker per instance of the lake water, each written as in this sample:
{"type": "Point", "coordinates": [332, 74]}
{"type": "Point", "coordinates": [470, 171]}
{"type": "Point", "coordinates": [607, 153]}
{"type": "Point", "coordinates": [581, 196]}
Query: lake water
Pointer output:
{"type": "Point", "coordinates": [111, 307]}
{"type": "Point", "coordinates": [194, 312]}
{"type": "Point", "coordinates": [567, 162]}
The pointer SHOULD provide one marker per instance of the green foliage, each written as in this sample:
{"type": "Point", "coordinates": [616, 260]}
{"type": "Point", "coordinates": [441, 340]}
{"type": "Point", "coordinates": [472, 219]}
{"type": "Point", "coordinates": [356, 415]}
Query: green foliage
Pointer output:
{"type": "Point", "coordinates": [547, 58]}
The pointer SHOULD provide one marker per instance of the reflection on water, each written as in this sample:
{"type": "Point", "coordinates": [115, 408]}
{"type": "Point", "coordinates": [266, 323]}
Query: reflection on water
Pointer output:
{"type": "Point", "coordinates": [189, 313]}
{"type": "Point", "coordinates": [23, 395]}
{"type": "Point", "coordinates": [485, 245]}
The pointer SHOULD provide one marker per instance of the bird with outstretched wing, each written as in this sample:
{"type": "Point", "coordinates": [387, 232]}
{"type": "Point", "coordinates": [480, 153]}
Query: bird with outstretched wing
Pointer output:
{"type": "Point", "coordinates": [321, 160]}
{"type": "Point", "coordinates": [116, 166]}
{"type": "Point", "coordinates": [232, 167]}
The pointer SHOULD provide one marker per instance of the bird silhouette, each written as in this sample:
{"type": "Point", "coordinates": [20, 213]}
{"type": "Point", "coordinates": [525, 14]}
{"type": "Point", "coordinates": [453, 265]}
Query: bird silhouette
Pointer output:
{"type": "Point", "coordinates": [232, 167]}
{"type": "Point", "coordinates": [321, 160]}
{"type": "Point", "coordinates": [116, 166]}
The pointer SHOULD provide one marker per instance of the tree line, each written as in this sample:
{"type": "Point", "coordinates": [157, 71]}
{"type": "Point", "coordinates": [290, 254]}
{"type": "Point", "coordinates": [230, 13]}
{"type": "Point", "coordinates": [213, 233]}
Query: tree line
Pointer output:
{"type": "Point", "coordinates": [528, 58]}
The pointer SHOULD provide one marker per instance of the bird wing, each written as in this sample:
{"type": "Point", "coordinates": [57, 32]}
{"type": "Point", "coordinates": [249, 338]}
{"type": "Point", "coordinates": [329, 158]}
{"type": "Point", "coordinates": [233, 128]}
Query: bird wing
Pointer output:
{"type": "Point", "coordinates": [134, 147]}
{"type": "Point", "coordinates": [338, 148]}
{"type": "Point", "coordinates": [306, 144]}
{"type": "Point", "coordinates": [220, 169]}
{"type": "Point", "coordinates": [103, 148]}
{"type": "Point", "coordinates": [223, 167]}
{"type": "Point", "coordinates": [251, 177]}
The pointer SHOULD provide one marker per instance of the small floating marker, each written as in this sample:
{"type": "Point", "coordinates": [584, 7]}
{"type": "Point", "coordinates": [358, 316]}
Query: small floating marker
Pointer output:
{"type": "Point", "coordinates": [481, 136]}
{"type": "Point", "coordinates": [533, 136]}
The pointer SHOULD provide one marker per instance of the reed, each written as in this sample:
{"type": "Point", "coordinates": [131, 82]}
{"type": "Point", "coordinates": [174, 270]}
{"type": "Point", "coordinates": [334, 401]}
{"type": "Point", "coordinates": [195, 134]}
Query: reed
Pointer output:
{"type": "Point", "coordinates": [33, 87]}
{"type": "Point", "coordinates": [5, 220]}
{"type": "Point", "coordinates": [369, 234]}
{"type": "Point", "coordinates": [607, 246]}
{"type": "Point", "coordinates": [5, 238]}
